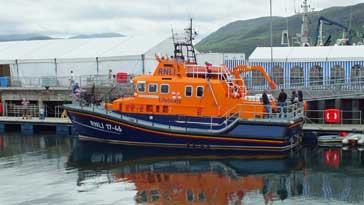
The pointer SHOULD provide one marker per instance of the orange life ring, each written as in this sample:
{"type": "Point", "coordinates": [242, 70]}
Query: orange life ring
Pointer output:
{"type": "Point", "coordinates": [236, 91]}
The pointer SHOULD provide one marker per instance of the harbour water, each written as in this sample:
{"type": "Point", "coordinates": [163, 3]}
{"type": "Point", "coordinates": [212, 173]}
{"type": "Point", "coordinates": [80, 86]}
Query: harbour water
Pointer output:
{"type": "Point", "coordinates": [63, 170]}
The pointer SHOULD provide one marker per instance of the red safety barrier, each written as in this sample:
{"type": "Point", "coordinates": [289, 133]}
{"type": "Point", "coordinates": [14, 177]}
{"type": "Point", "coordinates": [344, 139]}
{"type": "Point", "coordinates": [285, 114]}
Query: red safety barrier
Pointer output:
{"type": "Point", "coordinates": [332, 116]}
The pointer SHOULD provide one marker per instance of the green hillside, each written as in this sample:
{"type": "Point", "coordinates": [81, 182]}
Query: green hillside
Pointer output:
{"type": "Point", "coordinates": [245, 36]}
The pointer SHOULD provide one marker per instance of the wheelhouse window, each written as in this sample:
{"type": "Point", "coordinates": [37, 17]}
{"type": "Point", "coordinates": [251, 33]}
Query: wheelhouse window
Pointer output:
{"type": "Point", "coordinates": [201, 196]}
{"type": "Point", "coordinates": [141, 197]}
{"type": "Point", "coordinates": [188, 91]}
{"type": "Point", "coordinates": [199, 91]}
{"type": "Point", "coordinates": [155, 195]}
{"type": "Point", "coordinates": [141, 86]}
{"type": "Point", "coordinates": [164, 88]}
{"type": "Point", "coordinates": [152, 88]}
{"type": "Point", "coordinates": [189, 194]}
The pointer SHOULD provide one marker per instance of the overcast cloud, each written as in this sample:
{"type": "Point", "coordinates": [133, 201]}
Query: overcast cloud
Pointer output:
{"type": "Point", "coordinates": [62, 18]}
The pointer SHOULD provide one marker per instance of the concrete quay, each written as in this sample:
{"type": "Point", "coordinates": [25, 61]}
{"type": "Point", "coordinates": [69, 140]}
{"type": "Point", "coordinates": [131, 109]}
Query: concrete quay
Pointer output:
{"type": "Point", "coordinates": [63, 126]}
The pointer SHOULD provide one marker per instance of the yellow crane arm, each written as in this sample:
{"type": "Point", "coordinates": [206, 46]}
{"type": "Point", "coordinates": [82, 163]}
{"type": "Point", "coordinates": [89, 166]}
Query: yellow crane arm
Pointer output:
{"type": "Point", "coordinates": [244, 69]}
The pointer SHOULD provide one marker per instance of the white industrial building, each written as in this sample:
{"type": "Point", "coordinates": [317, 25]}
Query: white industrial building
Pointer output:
{"type": "Point", "coordinates": [56, 58]}
{"type": "Point", "coordinates": [83, 56]}
{"type": "Point", "coordinates": [306, 66]}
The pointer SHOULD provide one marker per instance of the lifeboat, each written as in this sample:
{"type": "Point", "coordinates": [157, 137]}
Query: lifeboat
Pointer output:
{"type": "Point", "coordinates": [185, 105]}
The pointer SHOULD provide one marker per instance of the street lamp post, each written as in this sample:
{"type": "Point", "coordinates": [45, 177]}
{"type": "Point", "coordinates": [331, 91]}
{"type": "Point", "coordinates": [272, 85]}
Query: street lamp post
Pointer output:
{"type": "Point", "coordinates": [271, 34]}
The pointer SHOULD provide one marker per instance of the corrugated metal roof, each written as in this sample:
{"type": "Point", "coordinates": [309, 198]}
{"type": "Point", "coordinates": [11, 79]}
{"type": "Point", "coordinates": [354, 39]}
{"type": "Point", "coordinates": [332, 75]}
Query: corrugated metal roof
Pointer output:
{"type": "Point", "coordinates": [77, 48]}
{"type": "Point", "coordinates": [308, 54]}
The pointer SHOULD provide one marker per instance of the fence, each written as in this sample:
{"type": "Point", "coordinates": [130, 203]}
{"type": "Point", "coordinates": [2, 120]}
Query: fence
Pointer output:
{"type": "Point", "coordinates": [347, 117]}
{"type": "Point", "coordinates": [62, 81]}
{"type": "Point", "coordinates": [15, 110]}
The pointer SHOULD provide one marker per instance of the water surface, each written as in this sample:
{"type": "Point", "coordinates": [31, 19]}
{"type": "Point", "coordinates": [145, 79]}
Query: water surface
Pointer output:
{"type": "Point", "coordinates": [62, 170]}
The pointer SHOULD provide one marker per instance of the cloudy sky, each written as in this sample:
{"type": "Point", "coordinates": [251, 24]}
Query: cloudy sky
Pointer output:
{"type": "Point", "coordinates": [63, 18]}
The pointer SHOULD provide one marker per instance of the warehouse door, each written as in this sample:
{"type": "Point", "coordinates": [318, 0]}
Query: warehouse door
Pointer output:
{"type": "Point", "coordinates": [4, 70]}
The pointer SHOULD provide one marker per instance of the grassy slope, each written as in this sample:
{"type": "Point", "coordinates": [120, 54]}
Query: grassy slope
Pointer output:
{"type": "Point", "coordinates": [244, 36]}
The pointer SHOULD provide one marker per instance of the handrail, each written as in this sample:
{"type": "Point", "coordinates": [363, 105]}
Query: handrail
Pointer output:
{"type": "Point", "coordinates": [213, 94]}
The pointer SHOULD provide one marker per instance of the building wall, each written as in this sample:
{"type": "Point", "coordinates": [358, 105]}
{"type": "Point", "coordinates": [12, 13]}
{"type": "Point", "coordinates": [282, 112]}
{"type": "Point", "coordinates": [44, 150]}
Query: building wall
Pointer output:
{"type": "Point", "coordinates": [229, 59]}
{"type": "Point", "coordinates": [298, 74]}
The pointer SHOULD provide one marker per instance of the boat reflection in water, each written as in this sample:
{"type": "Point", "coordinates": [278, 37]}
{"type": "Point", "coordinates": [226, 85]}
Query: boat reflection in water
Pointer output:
{"type": "Point", "coordinates": [189, 177]}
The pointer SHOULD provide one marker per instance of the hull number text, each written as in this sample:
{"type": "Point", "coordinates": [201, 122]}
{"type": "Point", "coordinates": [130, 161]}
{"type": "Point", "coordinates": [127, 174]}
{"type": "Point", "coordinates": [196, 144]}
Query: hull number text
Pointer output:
{"type": "Point", "coordinates": [106, 126]}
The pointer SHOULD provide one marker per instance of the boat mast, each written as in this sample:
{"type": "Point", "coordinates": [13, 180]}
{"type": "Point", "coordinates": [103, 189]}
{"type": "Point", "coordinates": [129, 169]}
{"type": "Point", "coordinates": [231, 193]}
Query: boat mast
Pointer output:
{"type": "Point", "coordinates": [187, 43]}
{"type": "Point", "coordinates": [305, 35]}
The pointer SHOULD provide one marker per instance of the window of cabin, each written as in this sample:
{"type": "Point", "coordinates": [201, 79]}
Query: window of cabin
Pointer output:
{"type": "Point", "coordinates": [141, 86]}
{"type": "Point", "coordinates": [165, 109]}
{"type": "Point", "coordinates": [157, 108]}
{"type": "Point", "coordinates": [188, 91]}
{"type": "Point", "coordinates": [189, 195]}
{"type": "Point", "coordinates": [201, 196]}
{"type": "Point", "coordinates": [164, 88]}
{"type": "Point", "coordinates": [141, 108]}
{"type": "Point", "coordinates": [155, 195]}
{"type": "Point", "coordinates": [149, 108]}
{"type": "Point", "coordinates": [141, 197]}
{"type": "Point", "coordinates": [199, 91]}
{"type": "Point", "coordinates": [152, 88]}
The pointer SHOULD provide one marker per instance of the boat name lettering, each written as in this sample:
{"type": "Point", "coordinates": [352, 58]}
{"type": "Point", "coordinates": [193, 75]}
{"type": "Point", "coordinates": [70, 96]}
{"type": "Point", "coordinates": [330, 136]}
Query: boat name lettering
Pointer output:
{"type": "Point", "coordinates": [106, 126]}
{"type": "Point", "coordinates": [169, 100]}
{"type": "Point", "coordinates": [167, 71]}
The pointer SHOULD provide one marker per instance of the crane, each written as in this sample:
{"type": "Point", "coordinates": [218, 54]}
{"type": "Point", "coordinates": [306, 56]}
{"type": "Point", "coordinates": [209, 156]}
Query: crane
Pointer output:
{"type": "Point", "coordinates": [245, 68]}
{"type": "Point", "coordinates": [323, 20]}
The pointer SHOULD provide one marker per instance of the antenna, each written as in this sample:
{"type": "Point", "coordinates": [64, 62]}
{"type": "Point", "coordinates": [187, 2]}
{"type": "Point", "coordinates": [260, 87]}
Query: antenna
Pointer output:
{"type": "Point", "coordinates": [285, 33]}
{"type": "Point", "coordinates": [305, 35]}
{"type": "Point", "coordinates": [351, 17]}
{"type": "Point", "coordinates": [173, 39]}
{"type": "Point", "coordinates": [294, 6]}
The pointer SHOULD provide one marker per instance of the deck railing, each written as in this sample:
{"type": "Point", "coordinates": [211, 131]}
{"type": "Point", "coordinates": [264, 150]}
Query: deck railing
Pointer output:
{"type": "Point", "coordinates": [319, 90]}
{"type": "Point", "coordinates": [255, 112]}
{"type": "Point", "coordinates": [220, 73]}
{"type": "Point", "coordinates": [214, 124]}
